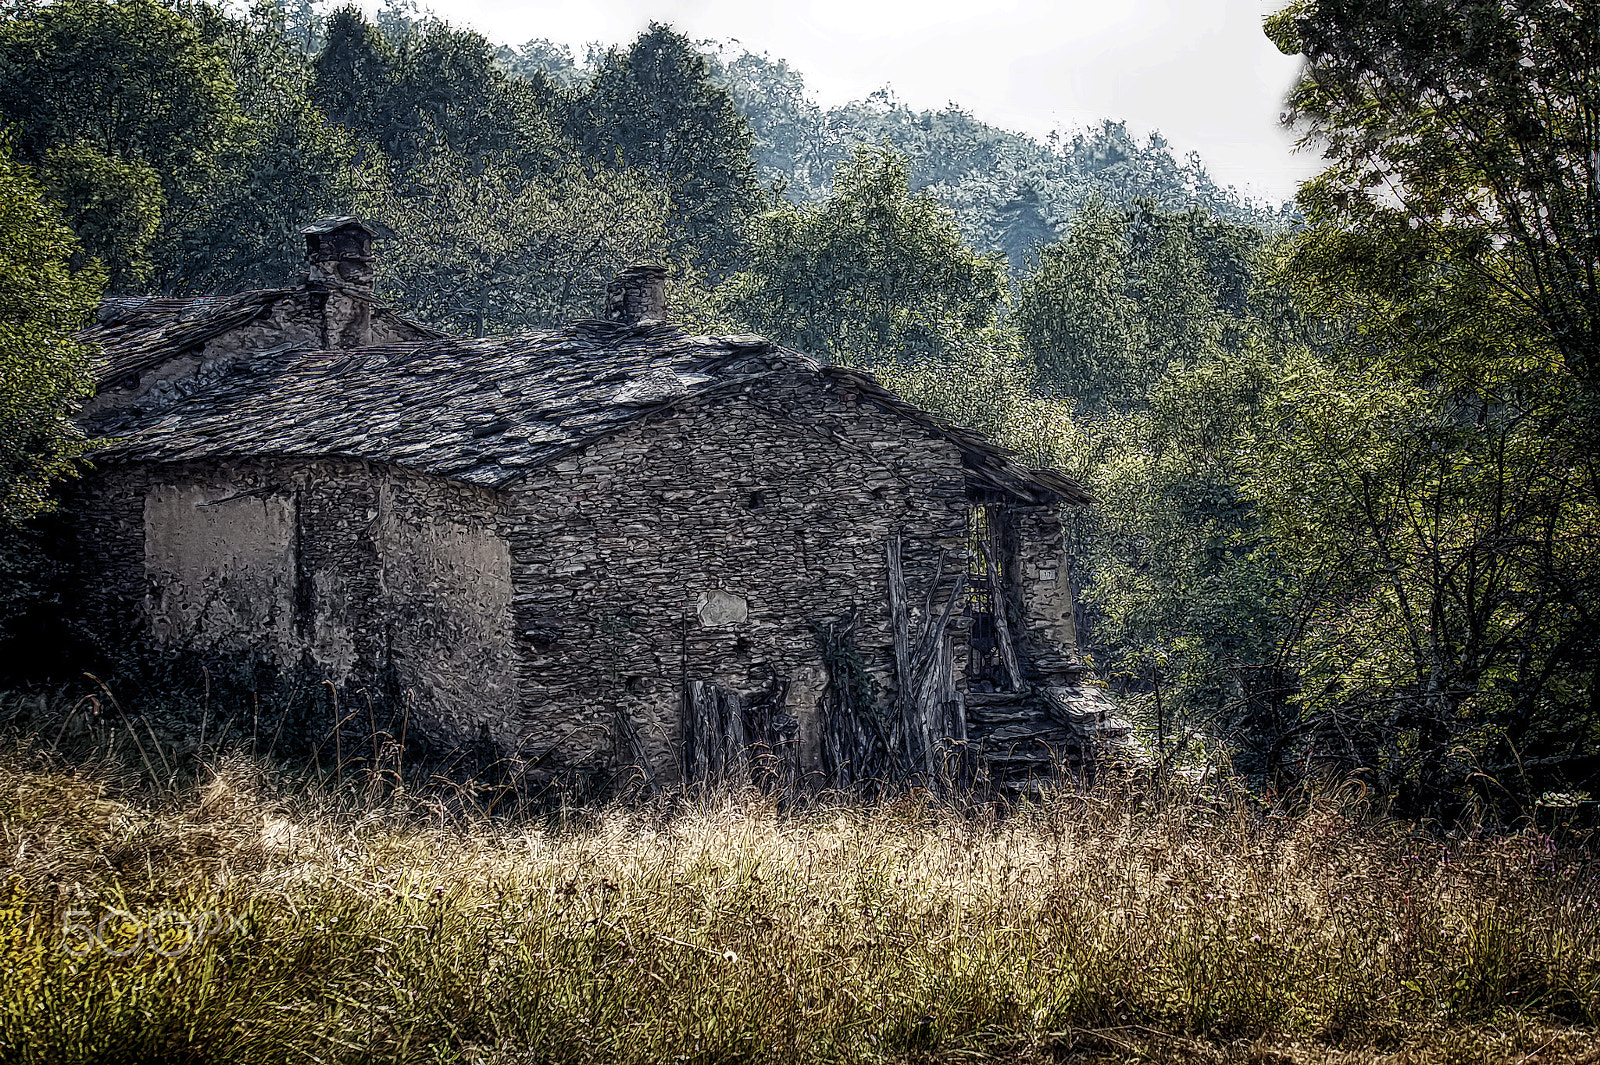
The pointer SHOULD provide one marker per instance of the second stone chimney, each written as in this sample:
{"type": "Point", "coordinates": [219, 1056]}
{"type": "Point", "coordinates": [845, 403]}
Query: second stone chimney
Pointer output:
{"type": "Point", "coordinates": [638, 294]}
{"type": "Point", "coordinates": [339, 251]}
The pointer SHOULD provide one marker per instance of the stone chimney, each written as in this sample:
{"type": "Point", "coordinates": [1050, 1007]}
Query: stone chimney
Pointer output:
{"type": "Point", "coordinates": [638, 294]}
{"type": "Point", "coordinates": [339, 251]}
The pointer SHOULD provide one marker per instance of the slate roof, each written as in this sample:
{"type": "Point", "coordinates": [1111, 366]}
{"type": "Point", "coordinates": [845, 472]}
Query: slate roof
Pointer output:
{"type": "Point", "coordinates": [138, 332]}
{"type": "Point", "coordinates": [485, 411]}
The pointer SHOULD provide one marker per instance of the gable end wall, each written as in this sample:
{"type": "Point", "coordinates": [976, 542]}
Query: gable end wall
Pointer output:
{"type": "Point", "coordinates": [704, 545]}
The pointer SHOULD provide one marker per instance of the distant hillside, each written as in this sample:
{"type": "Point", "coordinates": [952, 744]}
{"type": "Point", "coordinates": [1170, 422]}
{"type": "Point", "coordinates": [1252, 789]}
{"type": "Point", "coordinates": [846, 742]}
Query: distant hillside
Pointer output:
{"type": "Point", "coordinates": [1011, 192]}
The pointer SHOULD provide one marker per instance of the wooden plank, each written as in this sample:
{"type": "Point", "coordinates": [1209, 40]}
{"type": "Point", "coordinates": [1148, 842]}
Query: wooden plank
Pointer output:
{"type": "Point", "coordinates": [905, 678]}
{"type": "Point", "coordinates": [936, 687]}
{"type": "Point", "coordinates": [944, 692]}
{"type": "Point", "coordinates": [702, 716]}
{"type": "Point", "coordinates": [858, 747]}
{"type": "Point", "coordinates": [720, 747]}
{"type": "Point", "coordinates": [636, 744]}
{"type": "Point", "coordinates": [1002, 626]}
{"type": "Point", "coordinates": [735, 740]}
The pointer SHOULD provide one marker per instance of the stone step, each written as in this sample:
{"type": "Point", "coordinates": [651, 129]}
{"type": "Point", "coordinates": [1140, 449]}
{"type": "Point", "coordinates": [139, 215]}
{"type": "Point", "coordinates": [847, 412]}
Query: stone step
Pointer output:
{"type": "Point", "coordinates": [1059, 665]}
{"type": "Point", "coordinates": [995, 716]}
{"type": "Point", "coordinates": [996, 698]}
{"type": "Point", "coordinates": [1011, 734]}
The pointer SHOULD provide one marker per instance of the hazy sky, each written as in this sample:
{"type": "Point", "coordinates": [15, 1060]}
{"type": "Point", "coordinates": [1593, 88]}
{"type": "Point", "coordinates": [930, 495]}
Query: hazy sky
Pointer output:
{"type": "Point", "coordinates": [1200, 71]}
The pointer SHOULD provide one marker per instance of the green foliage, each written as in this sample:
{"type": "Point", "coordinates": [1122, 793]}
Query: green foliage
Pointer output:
{"type": "Point", "coordinates": [354, 70]}
{"type": "Point", "coordinates": [130, 78]}
{"type": "Point", "coordinates": [44, 371]}
{"type": "Point", "coordinates": [1475, 124]}
{"type": "Point", "coordinates": [452, 96]}
{"type": "Point", "coordinates": [114, 207]}
{"type": "Point", "coordinates": [491, 248]}
{"type": "Point", "coordinates": [1022, 224]}
{"type": "Point", "coordinates": [1432, 466]}
{"type": "Point", "coordinates": [987, 382]}
{"type": "Point", "coordinates": [288, 165]}
{"type": "Point", "coordinates": [542, 57]}
{"type": "Point", "coordinates": [1011, 193]}
{"type": "Point", "coordinates": [1196, 612]}
{"type": "Point", "coordinates": [1131, 294]}
{"type": "Point", "coordinates": [654, 109]}
{"type": "Point", "coordinates": [792, 144]}
{"type": "Point", "coordinates": [872, 273]}
{"type": "Point", "coordinates": [106, 95]}
{"type": "Point", "coordinates": [434, 89]}
{"type": "Point", "coordinates": [1075, 313]}
{"type": "Point", "coordinates": [1354, 546]}
{"type": "Point", "coordinates": [1161, 329]}
{"type": "Point", "coordinates": [1452, 650]}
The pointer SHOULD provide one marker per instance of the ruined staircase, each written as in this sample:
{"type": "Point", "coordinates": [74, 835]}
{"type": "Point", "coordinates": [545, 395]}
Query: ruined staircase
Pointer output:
{"type": "Point", "coordinates": [1028, 735]}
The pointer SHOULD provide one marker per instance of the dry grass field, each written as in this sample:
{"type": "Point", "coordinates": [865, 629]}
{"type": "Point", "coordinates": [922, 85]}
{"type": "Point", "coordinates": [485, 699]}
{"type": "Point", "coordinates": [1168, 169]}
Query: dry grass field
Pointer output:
{"type": "Point", "coordinates": [246, 916]}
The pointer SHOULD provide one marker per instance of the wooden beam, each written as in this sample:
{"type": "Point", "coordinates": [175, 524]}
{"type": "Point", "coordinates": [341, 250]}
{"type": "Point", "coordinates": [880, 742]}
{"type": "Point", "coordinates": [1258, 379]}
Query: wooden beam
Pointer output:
{"type": "Point", "coordinates": [1002, 626]}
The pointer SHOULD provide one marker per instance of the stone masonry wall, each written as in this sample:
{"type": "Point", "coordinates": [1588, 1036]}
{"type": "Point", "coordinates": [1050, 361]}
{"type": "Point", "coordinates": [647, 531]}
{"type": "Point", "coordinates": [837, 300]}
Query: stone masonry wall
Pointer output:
{"type": "Point", "coordinates": [1049, 640]}
{"type": "Point", "coordinates": [704, 545]}
{"type": "Point", "coordinates": [347, 567]}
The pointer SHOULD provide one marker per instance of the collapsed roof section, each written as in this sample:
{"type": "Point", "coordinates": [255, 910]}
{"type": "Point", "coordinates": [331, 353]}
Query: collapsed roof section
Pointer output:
{"type": "Point", "coordinates": [142, 332]}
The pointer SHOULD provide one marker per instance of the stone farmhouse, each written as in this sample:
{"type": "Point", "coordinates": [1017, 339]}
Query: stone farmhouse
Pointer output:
{"type": "Point", "coordinates": [605, 546]}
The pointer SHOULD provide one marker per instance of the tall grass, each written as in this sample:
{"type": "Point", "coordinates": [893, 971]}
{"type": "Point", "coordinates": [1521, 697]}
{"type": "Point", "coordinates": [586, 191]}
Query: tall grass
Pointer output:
{"type": "Point", "coordinates": [1111, 922]}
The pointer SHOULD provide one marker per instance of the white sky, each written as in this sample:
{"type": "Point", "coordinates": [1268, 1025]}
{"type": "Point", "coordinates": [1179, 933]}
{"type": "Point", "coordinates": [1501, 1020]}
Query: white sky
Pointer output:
{"type": "Point", "coordinates": [1200, 71]}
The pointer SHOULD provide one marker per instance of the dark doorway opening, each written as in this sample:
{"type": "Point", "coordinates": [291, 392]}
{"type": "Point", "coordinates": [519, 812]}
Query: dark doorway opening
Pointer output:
{"type": "Point", "coordinates": [992, 663]}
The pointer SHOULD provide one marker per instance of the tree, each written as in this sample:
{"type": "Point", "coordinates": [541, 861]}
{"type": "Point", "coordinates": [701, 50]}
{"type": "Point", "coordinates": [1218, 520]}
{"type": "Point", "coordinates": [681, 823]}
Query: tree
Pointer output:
{"type": "Point", "coordinates": [44, 371]}
{"type": "Point", "coordinates": [451, 95]}
{"type": "Point", "coordinates": [987, 382]}
{"type": "Point", "coordinates": [1021, 226]}
{"type": "Point", "coordinates": [984, 173]}
{"type": "Point", "coordinates": [1076, 315]}
{"type": "Point", "coordinates": [353, 72]}
{"type": "Point", "coordinates": [1451, 650]}
{"type": "Point", "coordinates": [654, 109]}
{"type": "Point", "coordinates": [115, 207]}
{"type": "Point", "coordinates": [792, 143]}
{"type": "Point", "coordinates": [431, 87]}
{"type": "Point", "coordinates": [542, 57]}
{"type": "Point", "coordinates": [491, 248]}
{"type": "Point", "coordinates": [1466, 130]}
{"type": "Point", "coordinates": [1196, 617]}
{"type": "Point", "coordinates": [107, 94]}
{"type": "Point", "coordinates": [1132, 292]}
{"type": "Point", "coordinates": [288, 165]}
{"type": "Point", "coordinates": [1435, 463]}
{"type": "Point", "coordinates": [872, 273]}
